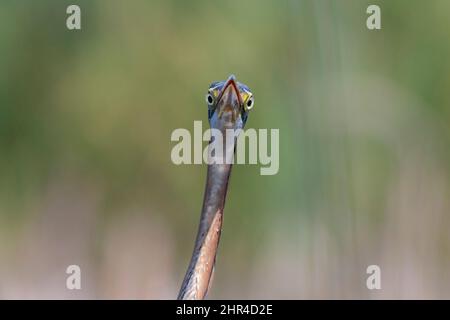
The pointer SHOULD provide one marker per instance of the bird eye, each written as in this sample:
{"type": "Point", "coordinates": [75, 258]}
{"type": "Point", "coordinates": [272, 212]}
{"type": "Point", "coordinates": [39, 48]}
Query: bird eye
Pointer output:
{"type": "Point", "coordinates": [249, 104]}
{"type": "Point", "coordinates": [209, 99]}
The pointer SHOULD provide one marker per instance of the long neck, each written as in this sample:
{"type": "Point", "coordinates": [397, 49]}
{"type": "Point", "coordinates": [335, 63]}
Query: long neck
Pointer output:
{"type": "Point", "coordinates": [197, 279]}
{"type": "Point", "coordinates": [196, 282]}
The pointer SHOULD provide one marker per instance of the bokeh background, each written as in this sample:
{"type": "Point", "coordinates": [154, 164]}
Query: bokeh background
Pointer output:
{"type": "Point", "coordinates": [85, 170]}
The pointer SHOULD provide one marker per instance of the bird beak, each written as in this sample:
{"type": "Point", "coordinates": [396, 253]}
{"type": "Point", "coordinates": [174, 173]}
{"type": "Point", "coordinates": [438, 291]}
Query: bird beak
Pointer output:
{"type": "Point", "coordinates": [230, 100]}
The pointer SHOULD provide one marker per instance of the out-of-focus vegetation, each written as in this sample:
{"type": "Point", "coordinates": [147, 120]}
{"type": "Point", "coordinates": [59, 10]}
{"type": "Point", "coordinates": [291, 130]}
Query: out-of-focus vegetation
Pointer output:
{"type": "Point", "coordinates": [85, 170]}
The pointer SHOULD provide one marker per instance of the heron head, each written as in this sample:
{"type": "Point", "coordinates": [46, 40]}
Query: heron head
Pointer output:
{"type": "Point", "coordinates": [229, 103]}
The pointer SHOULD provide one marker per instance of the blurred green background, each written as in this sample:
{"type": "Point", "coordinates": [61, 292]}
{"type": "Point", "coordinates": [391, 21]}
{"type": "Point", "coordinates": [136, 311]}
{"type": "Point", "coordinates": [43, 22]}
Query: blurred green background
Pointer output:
{"type": "Point", "coordinates": [85, 170]}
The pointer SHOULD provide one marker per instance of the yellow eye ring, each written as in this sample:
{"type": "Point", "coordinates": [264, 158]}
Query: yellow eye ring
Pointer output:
{"type": "Point", "coordinates": [249, 103]}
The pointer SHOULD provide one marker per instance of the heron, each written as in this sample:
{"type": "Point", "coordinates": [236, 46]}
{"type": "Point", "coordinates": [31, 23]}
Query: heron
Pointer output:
{"type": "Point", "coordinates": [229, 103]}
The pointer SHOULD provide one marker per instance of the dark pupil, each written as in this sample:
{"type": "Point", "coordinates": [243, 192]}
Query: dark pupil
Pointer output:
{"type": "Point", "coordinates": [210, 99]}
{"type": "Point", "coordinates": [249, 103]}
